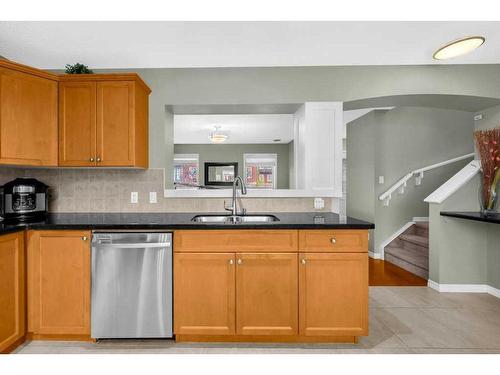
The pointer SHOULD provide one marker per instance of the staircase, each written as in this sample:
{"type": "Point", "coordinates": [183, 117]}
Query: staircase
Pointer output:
{"type": "Point", "coordinates": [410, 250]}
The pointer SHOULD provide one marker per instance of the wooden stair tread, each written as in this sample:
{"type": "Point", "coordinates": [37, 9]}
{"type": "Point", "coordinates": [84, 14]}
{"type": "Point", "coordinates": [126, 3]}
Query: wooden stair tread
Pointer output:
{"type": "Point", "coordinates": [409, 256]}
{"type": "Point", "coordinates": [416, 239]}
{"type": "Point", "coordinates": [422, 224]}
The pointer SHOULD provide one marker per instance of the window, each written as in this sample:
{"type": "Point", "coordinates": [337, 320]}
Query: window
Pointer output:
{"type": "Point", "coordinates": [186, 171]}
{"type": "Point", "coordinates": [261, 170]}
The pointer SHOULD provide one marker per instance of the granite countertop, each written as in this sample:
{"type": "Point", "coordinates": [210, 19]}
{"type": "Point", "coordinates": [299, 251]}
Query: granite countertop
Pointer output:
{"type": "Point", "coordinates": [475, 216]}
{"type": "Point", "coordinates": [155, 221]}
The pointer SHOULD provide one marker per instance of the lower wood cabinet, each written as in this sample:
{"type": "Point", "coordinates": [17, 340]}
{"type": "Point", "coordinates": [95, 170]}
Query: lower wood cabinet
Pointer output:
{"type": "Point", "coordinates": [204, 294]}
{"type": "Point", "coordinates": [333, 294]}
{"type": "Point", "coordinates": [59, 282]}
{"type": "Point", "coordinates": [266, 294]}
{"type": "Point", "coordinates": [214, 291]}
{"type": "Point", "coordinates": [241, 295]}
{"type": "Point", "coordinates": [12, 290]}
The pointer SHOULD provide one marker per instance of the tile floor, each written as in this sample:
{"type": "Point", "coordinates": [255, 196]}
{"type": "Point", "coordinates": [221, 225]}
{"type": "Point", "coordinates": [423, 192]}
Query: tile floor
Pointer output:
{"type": "Point", "coordinates": [402, 320]}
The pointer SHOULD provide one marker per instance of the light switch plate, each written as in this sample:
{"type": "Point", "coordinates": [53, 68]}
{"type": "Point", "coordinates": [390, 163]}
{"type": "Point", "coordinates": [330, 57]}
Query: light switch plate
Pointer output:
{"type": "Point", "coordinates": [381, 180]}
{"type": "Point", "coordinates": [152, 197]}
{"type": "Point", "coordinates": [319, 203]}
{"type": "Point", "coordinates": [134, 197]}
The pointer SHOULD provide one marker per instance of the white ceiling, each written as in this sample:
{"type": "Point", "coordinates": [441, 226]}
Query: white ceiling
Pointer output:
{"type": "Point", "coordinates": [51, 45]}
{"type": "Point", "coordinates": [241, 129]}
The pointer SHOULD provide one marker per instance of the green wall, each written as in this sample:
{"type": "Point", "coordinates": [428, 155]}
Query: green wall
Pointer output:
{"type": "Point", "coordinates": [393, 143]}
{"type": "Point", "coordinates": [234, 153]}
{"type": "Point", "coordinates": [463, 251]}
{"type": "Point", "coordinates": [296, 85]}
{"type": "Point", "coordinates": [360, 194]}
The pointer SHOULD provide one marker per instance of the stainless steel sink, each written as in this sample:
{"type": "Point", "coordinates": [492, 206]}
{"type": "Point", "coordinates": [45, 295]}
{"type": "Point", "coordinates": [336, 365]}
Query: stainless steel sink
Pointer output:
{"type": "Point", "coordinates": [238, 219]}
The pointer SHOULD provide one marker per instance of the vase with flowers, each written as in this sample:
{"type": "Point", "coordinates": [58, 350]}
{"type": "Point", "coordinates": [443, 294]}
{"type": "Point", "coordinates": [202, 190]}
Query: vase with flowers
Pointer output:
{"type": "Point", "coordinates": [488, 146]}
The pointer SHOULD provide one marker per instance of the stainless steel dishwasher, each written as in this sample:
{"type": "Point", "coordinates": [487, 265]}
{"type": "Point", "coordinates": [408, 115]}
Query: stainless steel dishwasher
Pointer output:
{"type": "Point", "coordinates": [131, 285]}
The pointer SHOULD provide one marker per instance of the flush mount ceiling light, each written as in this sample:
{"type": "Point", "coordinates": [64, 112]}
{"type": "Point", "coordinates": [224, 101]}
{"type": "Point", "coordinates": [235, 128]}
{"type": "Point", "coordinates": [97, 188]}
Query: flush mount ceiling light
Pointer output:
{"type": "Point", "coordinates": [458, 47]}
{"type": "Point", "coordinates": [217, 136]}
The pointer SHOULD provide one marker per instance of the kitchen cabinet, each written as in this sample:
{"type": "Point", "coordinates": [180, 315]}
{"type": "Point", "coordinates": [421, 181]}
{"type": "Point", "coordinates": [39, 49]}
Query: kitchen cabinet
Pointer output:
{"type": "Point", "coordinates": [337, 241]}
{"type": "Point", "coordinates": [204, 294]}
{"type": "Point", "coordinates": [59, 283]}
{"type": "Point", "coordinates": [244, 240]}
{"type": "Point", "coordinates": [12, 291]}
{"type": "Point", "coordinates": [103, 121]}
{"type": "Point", "coordinates": [28, 116]}
{"type": "Point", "coordinates": [333, 294]}
{"type": "Point", "coordinates": [77, 124]}
{"type": "Point", "coordinates": [266, 294]}
{"type": "Point", "coordinates": [305, 287]}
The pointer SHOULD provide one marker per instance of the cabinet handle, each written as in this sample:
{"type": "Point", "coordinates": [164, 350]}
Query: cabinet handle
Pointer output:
{"type": "Point", "coordinates": [92, 160]}
{"type": "Point", "coordinates": [98, 160]}
{"type": "Point", "coordinates": [333, 240]}
{"type": "Point", "coordinates": [240, 261]}
{"type": "Point", "coordinates": [231, 261]}
{"type": "Point", "coordinates": [303, 261]}
{"type": "Point", "coordinates": [84, 238]}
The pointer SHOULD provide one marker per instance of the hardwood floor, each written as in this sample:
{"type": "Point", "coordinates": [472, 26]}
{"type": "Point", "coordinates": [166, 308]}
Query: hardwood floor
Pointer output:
{"type": "Point", "coordinates": [383, 273]}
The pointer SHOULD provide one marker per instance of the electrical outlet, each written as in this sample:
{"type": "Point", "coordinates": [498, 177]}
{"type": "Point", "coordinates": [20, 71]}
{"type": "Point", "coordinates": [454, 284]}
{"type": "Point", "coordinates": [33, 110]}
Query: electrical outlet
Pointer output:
{"type": "Point", "coordinates": [152, 197]}
{"type": "Point", "coordinates": [381, 180]}
{"type": "Point", "coordinates": [134, 197]}
{"type": "Point", "coordinates": [319, 203]}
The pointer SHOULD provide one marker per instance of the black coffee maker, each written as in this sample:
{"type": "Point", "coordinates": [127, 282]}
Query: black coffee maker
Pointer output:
{"type": "Point", "coordinates": [24, 199]}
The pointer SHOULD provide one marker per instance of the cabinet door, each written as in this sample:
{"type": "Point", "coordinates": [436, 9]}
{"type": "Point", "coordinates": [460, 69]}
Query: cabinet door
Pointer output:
{"type": "Point", "coordinates": [333, 294]}
{"type": "Point", "coordinates": [266, 294]}
{"type": "Point", "coordinates": [204, 293]}
{"type": "Point", "coordinates": [12, 290]}
{"type": "Point", "coordinates": [77, 124]}
{"type": "Point", "coordinates": [115, 124]}
{"type": "Point", "coordinates": [59, 282]}
{"type": "Point", "coordinates": [28, 119]}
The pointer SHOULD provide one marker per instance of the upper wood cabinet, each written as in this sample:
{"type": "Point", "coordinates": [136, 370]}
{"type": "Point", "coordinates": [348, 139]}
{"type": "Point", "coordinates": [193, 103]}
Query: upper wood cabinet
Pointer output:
{"type": "Point", "coordinates": [103, 121]}
{"type": "Point", "coordinates": [12, 290]}
{"type": "Point", "coordinates": [59, 282]}
{"type": "Point", "coordinates": [28, 116]}
{"type": "Point", "coordinates": [77, 123]}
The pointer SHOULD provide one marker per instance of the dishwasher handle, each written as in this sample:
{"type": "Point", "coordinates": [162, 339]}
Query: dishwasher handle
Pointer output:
{"type": "Point", "coordinates": [133, 245]}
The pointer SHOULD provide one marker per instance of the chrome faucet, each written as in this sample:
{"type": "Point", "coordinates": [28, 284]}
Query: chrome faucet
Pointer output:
{"type": "Point", "coordinates": [234, 207]}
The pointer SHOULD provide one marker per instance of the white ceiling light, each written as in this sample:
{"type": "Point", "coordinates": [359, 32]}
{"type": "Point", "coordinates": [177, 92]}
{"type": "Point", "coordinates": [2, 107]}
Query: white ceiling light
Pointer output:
{"type": "Point", "coordinates": [458, 47]}
{"type": "Point", "coordinates": [217, 136]}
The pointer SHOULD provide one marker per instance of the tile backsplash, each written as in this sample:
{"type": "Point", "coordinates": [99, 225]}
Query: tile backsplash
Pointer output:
{"type": "Point", "coordinates": [107, 190]}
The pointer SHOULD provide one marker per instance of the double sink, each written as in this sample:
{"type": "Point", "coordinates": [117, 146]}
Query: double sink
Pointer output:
{"type": "Point", "coordinates": [234, 219]}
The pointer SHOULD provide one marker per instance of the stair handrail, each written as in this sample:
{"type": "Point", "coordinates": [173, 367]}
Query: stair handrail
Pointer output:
{"type": "Point", "coordinates": [419, 174]}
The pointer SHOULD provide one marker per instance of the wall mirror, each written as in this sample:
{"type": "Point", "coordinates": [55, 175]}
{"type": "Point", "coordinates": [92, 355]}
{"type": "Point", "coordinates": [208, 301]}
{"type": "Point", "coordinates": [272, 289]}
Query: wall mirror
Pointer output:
{"type": "Point", "coordinates": [279, 150]}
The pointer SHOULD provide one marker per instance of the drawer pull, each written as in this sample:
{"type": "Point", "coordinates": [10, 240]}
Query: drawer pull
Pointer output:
{"type": "Point", "coordinates": [84, 238]}
{"type": "Point", "coordinates": [231, 261]}
{"type": "Point", "coordinates": [240, 261]}
{"type": "Point", "coordinates": [303, 261]}
{"type": "Point", "coordinates": [333, 240]}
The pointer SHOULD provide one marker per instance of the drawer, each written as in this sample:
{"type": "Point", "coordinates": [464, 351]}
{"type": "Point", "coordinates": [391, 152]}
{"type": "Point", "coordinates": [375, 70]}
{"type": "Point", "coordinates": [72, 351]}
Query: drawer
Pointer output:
{"type": "Point", "coordinates": [257, 240]}
{"type": "Point", "coordinates": [342, 241]}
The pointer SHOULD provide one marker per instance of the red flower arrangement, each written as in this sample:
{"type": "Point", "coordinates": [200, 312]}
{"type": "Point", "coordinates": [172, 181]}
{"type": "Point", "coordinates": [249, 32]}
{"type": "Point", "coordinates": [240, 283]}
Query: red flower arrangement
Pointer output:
{"type": "Point", "coordinates": [488, 146]}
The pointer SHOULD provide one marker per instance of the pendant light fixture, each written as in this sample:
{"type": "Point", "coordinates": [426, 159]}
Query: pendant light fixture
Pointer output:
{"type": "Point", "coordinates": [216, 136]}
